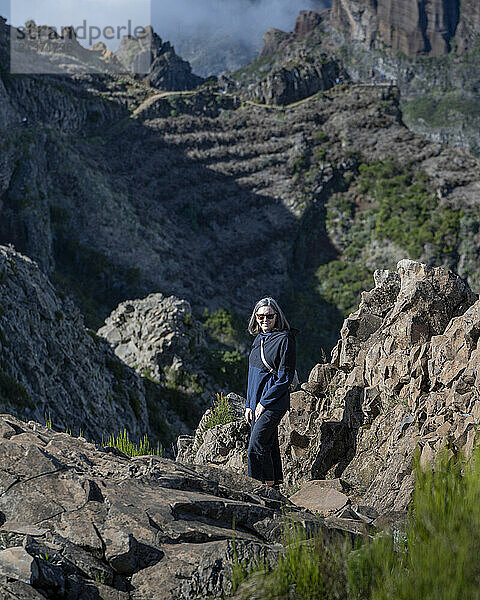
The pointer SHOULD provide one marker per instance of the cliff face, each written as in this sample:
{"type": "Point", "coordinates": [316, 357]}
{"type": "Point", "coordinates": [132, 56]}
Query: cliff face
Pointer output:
{"type": "Point", "coordinates": [414, 28]}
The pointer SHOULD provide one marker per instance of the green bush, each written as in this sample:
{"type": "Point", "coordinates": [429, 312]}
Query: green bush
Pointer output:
{"type": "Point", "coordinates": [437, 557]}
{"type": "Point", "coordinates": [342, 283]}
{"type": "Point", "coordinates": [14, 392]}
{"type": "Point", "coordinates": [407, 212]}
{"type": "Point", "coordinates": [224, 326]}
{"type": "Point", "coordinates": [228, 367]}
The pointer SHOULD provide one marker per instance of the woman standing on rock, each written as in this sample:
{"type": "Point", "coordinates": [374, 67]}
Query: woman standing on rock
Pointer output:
{"type": "Point", "coordinates": [270, 374]}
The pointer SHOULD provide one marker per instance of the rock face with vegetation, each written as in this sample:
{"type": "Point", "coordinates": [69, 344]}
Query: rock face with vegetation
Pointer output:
{"type": "Point", "coordinates": [53, 368]}
{"type": "Point", "coordinates": [284, 71]}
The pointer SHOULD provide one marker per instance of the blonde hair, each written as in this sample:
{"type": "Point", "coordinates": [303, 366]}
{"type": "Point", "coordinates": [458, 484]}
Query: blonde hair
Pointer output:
{"type": "Point", "coordinates": [281, 322]}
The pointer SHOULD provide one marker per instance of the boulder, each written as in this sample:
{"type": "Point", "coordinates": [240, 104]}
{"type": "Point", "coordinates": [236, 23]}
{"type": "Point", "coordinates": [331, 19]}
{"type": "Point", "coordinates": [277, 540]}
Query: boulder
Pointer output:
{"type": "Point", "coordinates": [319, 497]}
{"type": "Point", "coordinates": [16, 563]}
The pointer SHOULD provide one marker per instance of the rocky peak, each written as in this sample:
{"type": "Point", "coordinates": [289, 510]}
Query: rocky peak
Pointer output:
{"type": "Point", "coordinates": [307, 22]}
{"type": "Point", "coordinates": [148, 54]}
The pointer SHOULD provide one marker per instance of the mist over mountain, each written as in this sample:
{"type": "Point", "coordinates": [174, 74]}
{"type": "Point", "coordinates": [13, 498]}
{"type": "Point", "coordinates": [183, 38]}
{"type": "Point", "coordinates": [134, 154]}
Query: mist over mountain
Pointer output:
{"type": "Point", "coordinates": [219, 35]}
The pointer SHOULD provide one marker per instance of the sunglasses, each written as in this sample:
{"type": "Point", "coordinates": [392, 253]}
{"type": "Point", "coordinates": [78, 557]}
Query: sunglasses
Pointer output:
{"type": "Point", "coordinates": [267, 316]}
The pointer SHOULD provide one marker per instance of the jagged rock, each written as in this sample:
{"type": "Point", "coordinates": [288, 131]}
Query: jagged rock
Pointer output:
{"type": "Point", "coordinates": [52, 366]}
{"type": "Point", "coordinates": [43, 49]}
{"type": "Point", "coordinates": [154, 334]}
{"type": "Point", "coordinates": [307, 22]}
{"type": "Point", "coordinates": [147, 54]}
{"type": "Point", "coordinates": [106, 526]}
{"type": "Point", "coordinates": [407, 26]}
{"type": "Point", "coordinates": [406, 378]}
{"type": "Point", "coordinates": [294, 82]}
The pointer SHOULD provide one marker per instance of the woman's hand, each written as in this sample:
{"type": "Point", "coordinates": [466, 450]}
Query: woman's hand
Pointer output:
{"type": "Point", "coordinates": [248, 415]}
{"type": "Point", "coordinates": [259, 411]}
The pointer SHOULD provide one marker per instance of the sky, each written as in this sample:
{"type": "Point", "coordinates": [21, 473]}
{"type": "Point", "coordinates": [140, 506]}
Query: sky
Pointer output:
{"type": "Point", "coordinates": [244, 19]}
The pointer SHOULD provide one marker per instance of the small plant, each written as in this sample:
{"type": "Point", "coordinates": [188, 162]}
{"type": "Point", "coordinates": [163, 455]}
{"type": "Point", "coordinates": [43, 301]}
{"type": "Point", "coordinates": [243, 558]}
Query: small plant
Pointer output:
{"type": "Point", "coordinates": [222, 412]}
{"type": "Point", "coordinates": [123, 443]}
{"type": "Point", "coordinates": [48, 420]}
{"type": "Point", "coordinates": [308, 569]}
{"type": "Point", "coordinates": [100, 577]}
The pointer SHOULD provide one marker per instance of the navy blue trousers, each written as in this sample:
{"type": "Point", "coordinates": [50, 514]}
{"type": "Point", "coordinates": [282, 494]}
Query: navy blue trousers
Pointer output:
{"type": "Point", "coordinates": [264, 462]}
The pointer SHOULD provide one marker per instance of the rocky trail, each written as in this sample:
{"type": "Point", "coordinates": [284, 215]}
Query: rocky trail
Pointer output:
{"type": "Point", "coordinates": [80, 521]}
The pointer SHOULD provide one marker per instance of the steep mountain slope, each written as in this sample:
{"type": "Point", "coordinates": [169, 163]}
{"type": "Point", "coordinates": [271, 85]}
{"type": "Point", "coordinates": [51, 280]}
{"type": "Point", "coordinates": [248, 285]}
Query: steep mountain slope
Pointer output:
{"type": "Point", "coordinates": [52, 368]}
{"type": "Point", "coordinates": [414, 28]}
{"type": "Point", "coordinates": [436, 71]}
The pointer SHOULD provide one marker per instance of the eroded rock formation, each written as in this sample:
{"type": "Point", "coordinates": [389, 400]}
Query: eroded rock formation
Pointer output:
{"type": "Point", "coordinates": [148, 55]}
{"type": "Point", "coordinates": [401, 378]}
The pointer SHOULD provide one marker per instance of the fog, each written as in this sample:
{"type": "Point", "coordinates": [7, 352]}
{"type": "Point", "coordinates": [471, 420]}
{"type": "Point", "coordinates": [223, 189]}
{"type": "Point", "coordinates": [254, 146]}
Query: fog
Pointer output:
{"type": "Point", "coordinates": [245, 20]}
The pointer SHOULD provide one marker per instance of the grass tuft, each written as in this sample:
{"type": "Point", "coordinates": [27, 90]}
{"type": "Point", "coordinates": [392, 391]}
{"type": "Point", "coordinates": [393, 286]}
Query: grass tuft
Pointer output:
{"type": "Point", "coordinates": [221, 414]}
{"type": "Point", "coordinates": [123, 443]}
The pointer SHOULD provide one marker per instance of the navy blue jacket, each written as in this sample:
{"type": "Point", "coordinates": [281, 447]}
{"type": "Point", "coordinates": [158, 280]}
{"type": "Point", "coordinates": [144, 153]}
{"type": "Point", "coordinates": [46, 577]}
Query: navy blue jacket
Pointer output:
{"type": "Point", "coordinates": [272, 389]}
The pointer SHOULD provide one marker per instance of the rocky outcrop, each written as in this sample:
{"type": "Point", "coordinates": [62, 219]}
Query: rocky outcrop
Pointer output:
{"type": "Point", "coordinates": [414, 28]}
{"type": "Point", "coordinates": [294, 82]}
{"type": "Point", "coordinates": [291, 72]}
{"type": "Point", "coordinates": [52, 366]}
{"type": "Point", "coordinates": [79, 521]}
{"type": "Point", "coordinates": [159, 337]}
{"type": "Point", "coordinates": [222, 445]}
{"type": "Point", "coordinates": [401, 379]}
{"type": "Point", "coordinates": [147, 54]}
{"type": "Point", "coordinates": [45, 50]}
{"type": "Point", "coordinates": [154, 334]}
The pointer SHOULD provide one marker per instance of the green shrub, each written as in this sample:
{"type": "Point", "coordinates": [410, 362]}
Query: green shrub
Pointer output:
{"type": "Point", "coordinates": [407, 212]}
{"type": "Point", "coordinates": [228, 367]}
{"type": "Point", "coordinates": [437, 557]}
{"type": "Point", "coordinates": [224, 325]}
{"type": "Point", "coordinates": [342, 282]}
{"type": "Point", "coordinates": [14, 392]}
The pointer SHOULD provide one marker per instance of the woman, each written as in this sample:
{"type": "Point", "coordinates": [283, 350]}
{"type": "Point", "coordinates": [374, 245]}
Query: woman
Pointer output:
{"type": "Point", "coordinates": [270, 373]}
